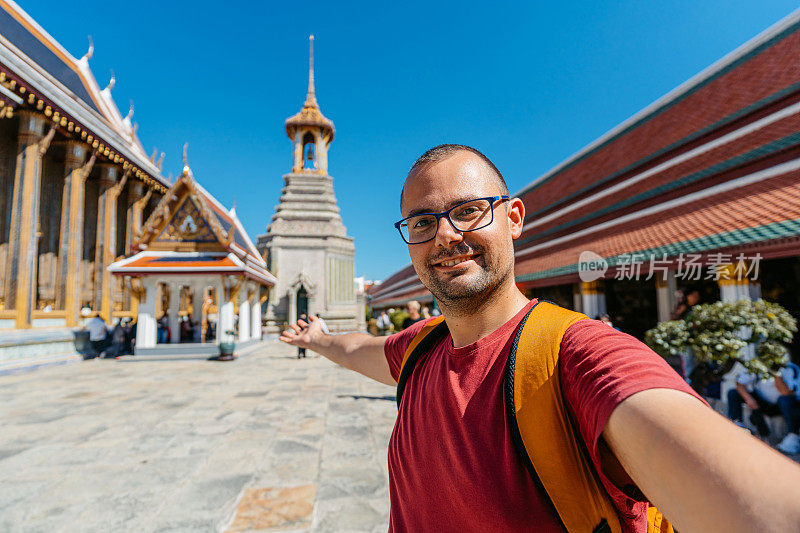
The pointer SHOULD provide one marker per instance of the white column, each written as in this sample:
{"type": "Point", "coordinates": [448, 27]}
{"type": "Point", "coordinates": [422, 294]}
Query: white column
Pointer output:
{"type": "Point", "coordinates": [172, 314]}
{"type": "Point", "coordinates": [225, 318]}
{"type": "Point", "coordinates": [665, 295]}
{"type": "Point", "coordinates": [291, 318]}
{"type": "Point", "coordinates": [738, 287]}
{"type": "Point", "coordinates": [244, 315]}
{"type": "Point", "coordinates": [593, 299]}
{"type": "Point", "coordinates": [255, 317]}
{"type": "Point", "coordinates": [734, 292]}
{"type": "Point", "coordinates": [146, 320]}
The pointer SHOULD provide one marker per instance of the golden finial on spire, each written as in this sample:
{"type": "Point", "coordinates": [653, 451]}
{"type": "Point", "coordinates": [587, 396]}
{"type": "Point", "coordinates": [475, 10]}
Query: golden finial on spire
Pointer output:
{"type": "Point", "coordinates": [310, 115]}
{"type": "Point", "coordinates": [186, 170]}
{"type": "Point", "coordinates": [310, 97]}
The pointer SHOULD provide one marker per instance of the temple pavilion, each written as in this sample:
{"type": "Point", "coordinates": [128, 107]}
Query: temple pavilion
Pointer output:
{"type": "Point", "coordinates": [195, 273]}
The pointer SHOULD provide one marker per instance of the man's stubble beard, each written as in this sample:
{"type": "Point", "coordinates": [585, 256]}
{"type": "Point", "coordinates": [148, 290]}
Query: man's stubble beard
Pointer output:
{"type": "Point", "coordinates": [461, 298]}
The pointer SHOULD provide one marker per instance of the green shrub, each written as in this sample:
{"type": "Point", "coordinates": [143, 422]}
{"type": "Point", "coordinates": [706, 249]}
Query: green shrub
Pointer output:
{"type": "Point", "coordinates": [397, 318]}
{"type": "Point", "coordinates": [717, 333]}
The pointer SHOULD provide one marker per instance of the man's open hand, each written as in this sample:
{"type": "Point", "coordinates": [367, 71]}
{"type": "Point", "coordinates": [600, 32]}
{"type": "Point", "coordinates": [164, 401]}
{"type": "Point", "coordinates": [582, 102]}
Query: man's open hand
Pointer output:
{"type": "Point", "coordinates": [303, 334]}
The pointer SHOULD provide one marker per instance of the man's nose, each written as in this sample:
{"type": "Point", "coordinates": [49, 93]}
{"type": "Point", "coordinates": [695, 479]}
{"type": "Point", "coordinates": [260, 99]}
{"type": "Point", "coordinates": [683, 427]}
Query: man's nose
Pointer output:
{"type": "Point", "coordinates": [447, 234]}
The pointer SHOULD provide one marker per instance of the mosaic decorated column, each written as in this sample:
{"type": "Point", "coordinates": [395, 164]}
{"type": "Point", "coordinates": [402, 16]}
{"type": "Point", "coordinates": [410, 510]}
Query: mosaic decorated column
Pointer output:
{"type": "Point", "coordinates": [70, 242]}
{"type": "Point", "coordinates": [593, 299]}
{"type": "Point", "coordinates": [106, 236]}
{"type": "Point", "coordinates": [138, 201]}
{"type": "Point", "coordinates": [134, 287]}
{"type": "Point", "coordinates": [21, 262]}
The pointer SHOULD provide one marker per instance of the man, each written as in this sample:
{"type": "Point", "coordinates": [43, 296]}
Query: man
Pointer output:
{"type": "Point", "coordinates": [384, 323]}
{"type": "Point", "coordinates": [97, 334]}
{"type": "Point", "coordinates": [413, 317]}
{"type": "Point", "coordinates": [684, 307]}
{"type": "Point", "coordinates": [776, 396]}
{"type": "Point", "coordinates": [301, 351]}
{"type": "Point", "coordinates": [163, 329]}
{"type": "Point", "coordinates": [452, 463]}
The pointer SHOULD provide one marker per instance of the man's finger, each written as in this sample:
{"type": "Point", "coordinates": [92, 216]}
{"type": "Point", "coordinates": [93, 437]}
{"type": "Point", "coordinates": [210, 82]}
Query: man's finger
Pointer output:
{"type": "Point", "coordinates": [297, 329]}
{"type": "Point", "coordinates": [302, 323]}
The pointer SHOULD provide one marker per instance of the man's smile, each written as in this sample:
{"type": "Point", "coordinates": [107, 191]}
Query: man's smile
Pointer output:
{"type": "Point", "coordinates": [452, 262]}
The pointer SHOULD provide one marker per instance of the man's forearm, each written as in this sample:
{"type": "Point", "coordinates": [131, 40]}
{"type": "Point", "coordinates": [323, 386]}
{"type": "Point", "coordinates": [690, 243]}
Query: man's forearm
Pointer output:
{"type": "Point", "coordinates": [341, 348]}
{"type": "Point", "coordinates": [359, 352]}
{"type": "Point", "coordinates": [746, 396]}
{"type": "Point", "coordinates": [700, 470]}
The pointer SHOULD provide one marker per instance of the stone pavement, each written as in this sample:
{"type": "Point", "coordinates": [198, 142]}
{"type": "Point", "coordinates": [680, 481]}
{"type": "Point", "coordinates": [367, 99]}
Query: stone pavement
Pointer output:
{"type": "Point", "coordinates": [267, 442]}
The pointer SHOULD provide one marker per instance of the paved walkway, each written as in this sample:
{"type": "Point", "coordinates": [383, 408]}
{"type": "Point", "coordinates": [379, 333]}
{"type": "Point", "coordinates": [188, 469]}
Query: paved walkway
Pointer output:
{"type": "Point", "coordinates": [265, 442]}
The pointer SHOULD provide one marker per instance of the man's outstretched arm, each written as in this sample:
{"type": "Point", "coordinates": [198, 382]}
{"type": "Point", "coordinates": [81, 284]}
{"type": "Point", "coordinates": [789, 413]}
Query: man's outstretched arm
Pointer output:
{"type": "Point", "coordinates": [703, 472]}
{"type": "Point", "coordinates": [360, 352]}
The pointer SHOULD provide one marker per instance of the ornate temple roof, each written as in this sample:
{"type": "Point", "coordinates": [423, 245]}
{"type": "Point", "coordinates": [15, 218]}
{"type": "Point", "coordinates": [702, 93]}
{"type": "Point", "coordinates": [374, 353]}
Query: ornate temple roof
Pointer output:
{"type": "Point", "coordinates": [191, 232]}
{"type": "Point", "coordinates": [45, 75]}
{"type": "Point", "coordinates": [310, 115]}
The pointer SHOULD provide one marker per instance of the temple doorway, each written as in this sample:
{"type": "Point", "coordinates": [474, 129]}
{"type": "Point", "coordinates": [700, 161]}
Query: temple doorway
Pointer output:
{"type": "Point", "coordinates": [188, 325]}
{"type": "Point", "coordinates": [302, 301]}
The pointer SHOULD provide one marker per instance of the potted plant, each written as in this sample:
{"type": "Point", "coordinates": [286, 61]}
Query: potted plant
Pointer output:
{"type": "Point", "coordinates": [227, 346]}
{"type": "Point", "coordinates": [717, 334]}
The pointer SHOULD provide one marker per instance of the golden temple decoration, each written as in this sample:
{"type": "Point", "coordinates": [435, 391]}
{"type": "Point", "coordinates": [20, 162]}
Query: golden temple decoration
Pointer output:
{"type": "Point", "coordinates": [44, 144]}
{"type": "Point", "coordinates": [310, 115]}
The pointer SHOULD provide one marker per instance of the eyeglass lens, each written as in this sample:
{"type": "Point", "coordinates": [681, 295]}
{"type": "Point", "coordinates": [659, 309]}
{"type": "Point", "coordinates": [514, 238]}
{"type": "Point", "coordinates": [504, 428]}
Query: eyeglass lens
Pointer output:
{"type": "Point", "coordinates": [469, 216]}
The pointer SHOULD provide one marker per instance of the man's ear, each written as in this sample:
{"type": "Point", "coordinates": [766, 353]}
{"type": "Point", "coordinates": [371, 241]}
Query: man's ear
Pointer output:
{"type": "Point", "coordinates": [516, 217]}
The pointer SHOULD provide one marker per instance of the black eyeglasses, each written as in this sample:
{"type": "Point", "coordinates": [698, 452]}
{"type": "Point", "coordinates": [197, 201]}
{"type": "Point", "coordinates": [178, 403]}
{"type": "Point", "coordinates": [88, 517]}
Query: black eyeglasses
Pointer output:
{"type": "Point", "coordinates": [466, 216]}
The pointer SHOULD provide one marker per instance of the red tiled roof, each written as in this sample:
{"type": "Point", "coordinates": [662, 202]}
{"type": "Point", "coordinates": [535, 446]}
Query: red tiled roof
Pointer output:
{"type": "Point", "coordinates": [766, 73]}
{"type": "Point", "coordinates": [766, 202]}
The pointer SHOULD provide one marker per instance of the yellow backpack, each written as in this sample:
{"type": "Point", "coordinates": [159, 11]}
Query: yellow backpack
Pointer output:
{"type": "Point", "coordinates": [543, 432]}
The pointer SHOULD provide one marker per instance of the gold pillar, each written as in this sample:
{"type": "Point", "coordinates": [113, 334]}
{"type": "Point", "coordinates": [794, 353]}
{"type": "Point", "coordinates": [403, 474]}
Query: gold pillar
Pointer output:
{"type": "Point", "coordinates": [22, 260]}
{"type": "Point", "coordinates": [106, 237]}
{"type": "Point", "coordinates": [136, 290]}
{"type": "Point", "coordinates": [70, 242]}
{"type": "Point", "coordinates": [136, 213]}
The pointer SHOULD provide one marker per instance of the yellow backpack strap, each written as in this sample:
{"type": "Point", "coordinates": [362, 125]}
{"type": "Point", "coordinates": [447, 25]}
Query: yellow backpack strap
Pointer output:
{"type": "Point", "coordinates": [542, 428]}
{"type": "Point", "coordinates": [420, 345]}
{"type": "Point", "coordinates": [656, 523]}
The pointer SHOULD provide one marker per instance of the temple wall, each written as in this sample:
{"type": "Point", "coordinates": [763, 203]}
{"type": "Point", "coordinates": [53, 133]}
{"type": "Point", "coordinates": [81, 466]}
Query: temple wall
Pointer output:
{"type": "Point", "coordinates": [49, 228]}
{"type": "Point", "coordinates": [8, 149]}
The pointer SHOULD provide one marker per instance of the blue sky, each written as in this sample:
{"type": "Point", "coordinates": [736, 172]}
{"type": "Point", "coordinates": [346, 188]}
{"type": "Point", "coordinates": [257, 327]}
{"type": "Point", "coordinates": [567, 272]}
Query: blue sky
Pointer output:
{"type": "Point", "coordinates": [528, 83]}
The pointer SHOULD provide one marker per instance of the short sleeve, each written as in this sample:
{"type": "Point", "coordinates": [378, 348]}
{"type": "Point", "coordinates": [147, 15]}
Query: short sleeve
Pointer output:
{"type": "Point", "coordinates": [746, 379]}
{"type": "Point", "coordinates": [791, 376]}
{"type": "Point", "coordinates": [600, 367]}
{"type": "Point", "coordinates": [396, 346]}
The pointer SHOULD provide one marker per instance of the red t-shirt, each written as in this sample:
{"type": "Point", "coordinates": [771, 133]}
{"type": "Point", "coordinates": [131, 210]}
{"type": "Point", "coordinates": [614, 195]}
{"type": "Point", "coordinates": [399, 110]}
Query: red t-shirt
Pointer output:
{"type": "Point", "coordinates": [452, 463]}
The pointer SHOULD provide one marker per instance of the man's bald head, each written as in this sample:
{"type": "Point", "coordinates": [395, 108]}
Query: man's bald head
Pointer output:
{"type": "Point", "coordinates": [444, 151]}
